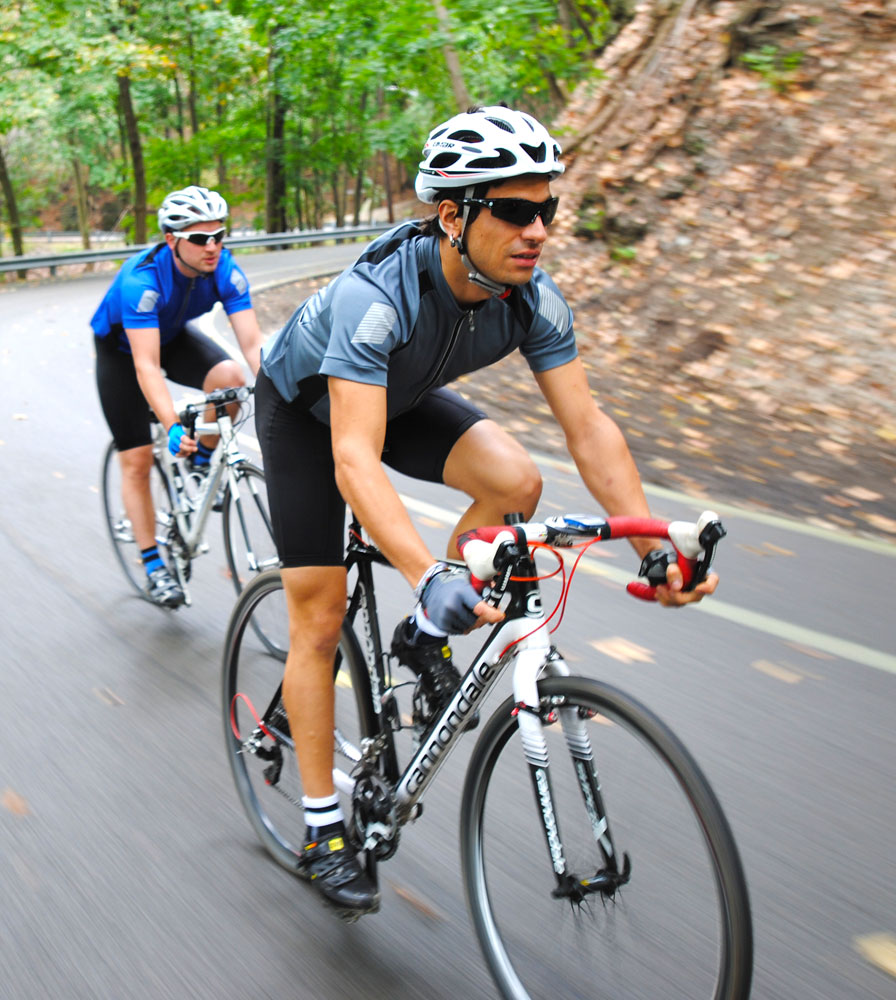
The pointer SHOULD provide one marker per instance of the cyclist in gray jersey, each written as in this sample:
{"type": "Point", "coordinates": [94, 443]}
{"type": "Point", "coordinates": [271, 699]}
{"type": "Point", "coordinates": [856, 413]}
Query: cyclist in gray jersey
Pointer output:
{"type": "Point", "coordinates": [357, 379]}
{"type": "Point", "coordinates": [392, 320]}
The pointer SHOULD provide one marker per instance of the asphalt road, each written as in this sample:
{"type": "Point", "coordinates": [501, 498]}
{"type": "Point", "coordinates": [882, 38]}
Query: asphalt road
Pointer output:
{"type": "Point", "coordinates": [127, 869]}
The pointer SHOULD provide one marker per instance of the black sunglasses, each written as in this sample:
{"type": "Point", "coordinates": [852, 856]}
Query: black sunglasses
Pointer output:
{"type": "Point", "coordinates": [201, 239]}
{"type": "Point", "coordinates": [518, 211]}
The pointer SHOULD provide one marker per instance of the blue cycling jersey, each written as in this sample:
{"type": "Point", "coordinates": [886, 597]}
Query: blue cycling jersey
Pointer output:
{"type": "Point", "coordinates": [149, 292]}
{"type": "Point", "coordinates": [390, 320]}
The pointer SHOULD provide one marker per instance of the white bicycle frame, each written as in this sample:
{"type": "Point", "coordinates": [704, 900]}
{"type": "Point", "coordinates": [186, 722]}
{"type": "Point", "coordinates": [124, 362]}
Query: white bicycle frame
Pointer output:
{"type": "Point", "coordinates": [525, 640]}
{"type": "Point", "coordinates": [527, 644]}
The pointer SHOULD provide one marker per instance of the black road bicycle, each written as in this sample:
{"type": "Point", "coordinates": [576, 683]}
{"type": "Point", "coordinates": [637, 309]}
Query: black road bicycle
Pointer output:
{"type": "Point", "coordinates": [597, 861]}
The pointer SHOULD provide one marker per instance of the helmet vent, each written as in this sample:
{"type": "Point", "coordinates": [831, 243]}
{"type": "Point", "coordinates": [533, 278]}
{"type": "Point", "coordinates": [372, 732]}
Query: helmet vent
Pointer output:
{"type": "Point", "coordinates": [500, 123]}
{"type": "Point", "coordinates": [504, 159]}
{"type": "Point", "coordinates": [466, 135]}
{"type": "Point", "coordinates": [444, 160]}
{"type": "Point", "coordinates": [538, 153]}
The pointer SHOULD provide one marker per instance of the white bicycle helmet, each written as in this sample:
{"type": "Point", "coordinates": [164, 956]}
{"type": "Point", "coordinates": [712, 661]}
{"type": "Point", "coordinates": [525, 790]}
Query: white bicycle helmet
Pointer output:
{"type": "Point", "coordinates": [193, 204]}
{"type": "Point", "coordinates": [483, 146]}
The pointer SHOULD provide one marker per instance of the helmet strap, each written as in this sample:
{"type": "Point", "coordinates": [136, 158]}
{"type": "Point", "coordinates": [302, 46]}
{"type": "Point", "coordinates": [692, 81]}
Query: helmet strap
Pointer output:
{"type": "Point", "coordinates": [199, 274]}
{"type": "Point", "coordinates": [474, 275]}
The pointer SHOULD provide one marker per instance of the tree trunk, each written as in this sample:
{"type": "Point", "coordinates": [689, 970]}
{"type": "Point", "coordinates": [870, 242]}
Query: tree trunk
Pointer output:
{"type": "Point", "coordinates": [12, 209]}
{"type": "Point", "coordinates": [387, 186]}
{"type": "Point", "coordinates": [179, 104]}
{"type": "Point", "coordinates": [275, 173]}
{"type": "Point", "coordinates": [338, 197]}
{"type": "Point", "coordinates": [194, 117]}
{"type": "Point", "coordinates": [568, 13]}
{"type": "Point", "coordinates": [359, 196]}
{"type": "Point", "coordinates": [220, 160]}
{"type": "Point", "coordinates": [133, 137]}
{"type": "Point", "coordinates": [461, 95]}
{"type": "Point", "coordinates": [80, 172]}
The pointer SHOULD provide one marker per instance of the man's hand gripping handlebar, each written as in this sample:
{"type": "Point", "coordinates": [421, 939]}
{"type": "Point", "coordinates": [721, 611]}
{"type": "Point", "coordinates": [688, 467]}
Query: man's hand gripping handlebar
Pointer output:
{"type": "Point", "coordinates": [677, 576]}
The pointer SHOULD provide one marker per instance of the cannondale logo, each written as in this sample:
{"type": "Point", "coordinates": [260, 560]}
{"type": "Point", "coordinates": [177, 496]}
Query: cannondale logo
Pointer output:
{"type": "Point", "coordinates": [550, 822]}
{"type": "Point", "coordinates": [533, 604]}
{"type": "Point", "coordinates": [370, 653]}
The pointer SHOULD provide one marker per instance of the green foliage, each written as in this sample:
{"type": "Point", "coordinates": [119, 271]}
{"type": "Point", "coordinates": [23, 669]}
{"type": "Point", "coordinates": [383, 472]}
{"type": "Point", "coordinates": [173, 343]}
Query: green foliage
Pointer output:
{"type": "Point", "coordinates": [778, 69]}
{"type": "Point", "coordinates": [623, 254]}
{"type": "Point", "coordinates": [352, 80]}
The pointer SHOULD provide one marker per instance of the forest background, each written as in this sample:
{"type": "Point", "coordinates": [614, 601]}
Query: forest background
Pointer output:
{"type": "Point", "coordinates": [726, 234]}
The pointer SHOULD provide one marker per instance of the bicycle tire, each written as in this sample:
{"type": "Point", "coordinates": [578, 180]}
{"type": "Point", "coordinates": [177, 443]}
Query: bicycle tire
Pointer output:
{"type": "Point", "coordinates": [248, 537]}
{"type": "Point", "coordinates": [119, 527]}
{"type": "Point", "coordinates": [652, 938]}
{"type": "Point", "coordinates": [250, 674]}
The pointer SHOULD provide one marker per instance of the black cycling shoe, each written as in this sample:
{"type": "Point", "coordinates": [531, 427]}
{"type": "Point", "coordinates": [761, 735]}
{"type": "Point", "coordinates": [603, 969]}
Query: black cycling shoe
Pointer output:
{"type": "Point", "coordinates": [431, 662]}
{"type": "Point", "coordinates": [331, 865]}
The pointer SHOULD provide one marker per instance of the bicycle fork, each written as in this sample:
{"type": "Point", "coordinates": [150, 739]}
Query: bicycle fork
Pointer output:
{"type": "Point", "coordinates": [532, 716]}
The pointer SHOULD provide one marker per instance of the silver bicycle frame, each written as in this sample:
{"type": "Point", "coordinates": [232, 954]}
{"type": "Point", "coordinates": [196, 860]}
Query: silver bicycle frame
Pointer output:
{"type": "Point", "coordinates": [191, 516]}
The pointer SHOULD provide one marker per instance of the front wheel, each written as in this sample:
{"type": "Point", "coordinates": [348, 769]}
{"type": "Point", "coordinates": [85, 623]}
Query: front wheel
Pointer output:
{"type": "Point", "coordinates": [653, 901]}
{"type": "Point", "coordinates": [259, 745]}
{"type": "Point", "coordinates": [118, 524]}
{"type": "Point", "coordinates": [249, 540]}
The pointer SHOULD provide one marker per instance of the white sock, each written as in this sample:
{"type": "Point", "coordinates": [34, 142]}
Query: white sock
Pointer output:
{"type": "Point", "coordinates": [322, 812]}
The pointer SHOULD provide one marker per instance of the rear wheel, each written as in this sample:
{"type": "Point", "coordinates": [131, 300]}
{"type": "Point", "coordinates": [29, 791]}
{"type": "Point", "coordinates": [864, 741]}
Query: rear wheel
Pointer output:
{"type": "Point", "coordinates": [653, 905]}
{"type": "Point", "coordinates": [256, 730]}
{"type": "Point", "coordinates": [119, 525]}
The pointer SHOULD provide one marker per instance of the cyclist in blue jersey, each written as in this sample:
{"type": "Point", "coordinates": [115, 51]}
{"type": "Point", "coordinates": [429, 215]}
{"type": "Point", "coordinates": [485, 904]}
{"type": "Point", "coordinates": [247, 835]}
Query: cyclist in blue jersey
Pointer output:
{"type": "Point", "coordinates": [357, 378]}
{"type": "Point", "coordinates": [143, 335]}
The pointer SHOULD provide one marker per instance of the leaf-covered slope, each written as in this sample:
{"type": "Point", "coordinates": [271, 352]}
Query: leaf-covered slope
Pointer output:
{"type": "Point", "coordinates": [735, 169]}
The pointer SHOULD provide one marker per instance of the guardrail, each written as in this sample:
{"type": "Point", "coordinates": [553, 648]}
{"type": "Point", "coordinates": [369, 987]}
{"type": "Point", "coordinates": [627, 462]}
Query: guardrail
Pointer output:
{"type": "Point", "coordinates": [298, 238]}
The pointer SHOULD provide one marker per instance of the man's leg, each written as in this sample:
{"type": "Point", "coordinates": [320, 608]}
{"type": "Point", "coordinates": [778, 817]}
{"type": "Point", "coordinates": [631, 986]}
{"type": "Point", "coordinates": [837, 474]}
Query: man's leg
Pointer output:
{"type": "Point", "coordinates": [315, 600]}
{"type": "Point", "coordinates": [136, 464]}
{"type": "Point", "coordinates": [224, 375]}
{"type": "Point", "coordinates": [496, 472]}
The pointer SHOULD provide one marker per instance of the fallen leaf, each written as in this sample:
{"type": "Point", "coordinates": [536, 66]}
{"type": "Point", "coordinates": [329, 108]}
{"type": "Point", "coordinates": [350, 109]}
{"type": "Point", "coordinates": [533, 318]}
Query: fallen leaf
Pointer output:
{"type": "Point", "coordinates": [860, 493]}
{"type": "Point", "coordinates": [14, 803]}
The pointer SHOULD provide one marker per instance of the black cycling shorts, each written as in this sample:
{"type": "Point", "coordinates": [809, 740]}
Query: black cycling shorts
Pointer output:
{"type": "Point", "coordinates": [307, 510]}
{"type": "Point", "coordinates": [186, 359]}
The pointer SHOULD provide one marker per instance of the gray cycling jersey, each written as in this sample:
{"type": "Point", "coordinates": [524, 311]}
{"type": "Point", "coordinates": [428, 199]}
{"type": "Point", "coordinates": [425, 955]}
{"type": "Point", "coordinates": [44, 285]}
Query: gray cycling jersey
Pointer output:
{"type": "Point", "coordinates": [390, 319]}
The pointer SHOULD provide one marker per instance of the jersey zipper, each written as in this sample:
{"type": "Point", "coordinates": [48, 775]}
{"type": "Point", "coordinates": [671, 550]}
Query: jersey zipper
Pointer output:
{"type": "Point", "coordinates": [184, 304]}
{"type": "Point", "coordinates": [443, 361]}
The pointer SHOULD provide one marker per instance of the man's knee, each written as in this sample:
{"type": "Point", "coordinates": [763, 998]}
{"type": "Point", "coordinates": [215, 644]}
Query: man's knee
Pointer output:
{"type": "Point", "coordinates": [224, 375]}
{"type": "Point", "coordinates": [528, 485]}
{"type": "Point", "coordinates": [316, 604]}
{"type": "Point", "coordinates": [136, 463]}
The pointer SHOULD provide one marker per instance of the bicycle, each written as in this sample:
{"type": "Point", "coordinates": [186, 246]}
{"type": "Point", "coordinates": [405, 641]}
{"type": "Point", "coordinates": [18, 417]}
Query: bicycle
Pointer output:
{"type": "Point", "coordinates": [183, 500]}
{"type": "Point", "coordinates": [630, 885]}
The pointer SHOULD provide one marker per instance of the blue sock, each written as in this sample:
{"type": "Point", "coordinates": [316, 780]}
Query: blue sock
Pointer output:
{"type": "Point", "coordinates": [202, 454]}
{"type": "Point", "coordinates": [151, 559]}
